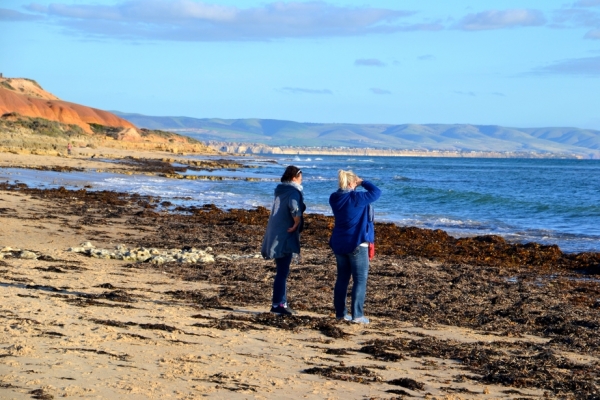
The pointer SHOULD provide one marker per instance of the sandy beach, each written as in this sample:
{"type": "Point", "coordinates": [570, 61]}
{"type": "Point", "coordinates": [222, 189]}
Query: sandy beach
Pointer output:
{"type": "Point", "coordinates": [90, 310]}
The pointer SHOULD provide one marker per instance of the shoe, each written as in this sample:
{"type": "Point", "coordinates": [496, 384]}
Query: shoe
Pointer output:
{"type": "Point", "coordinates": [361, 320]}
{"type": "Point", "coordinates": [282, 309]}
{"type": "Point", "coordinates": [345, 318]}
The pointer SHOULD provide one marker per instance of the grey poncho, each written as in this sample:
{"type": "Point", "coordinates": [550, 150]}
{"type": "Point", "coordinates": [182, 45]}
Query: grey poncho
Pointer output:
{"type": "Point", "coordinates": [288, 203]}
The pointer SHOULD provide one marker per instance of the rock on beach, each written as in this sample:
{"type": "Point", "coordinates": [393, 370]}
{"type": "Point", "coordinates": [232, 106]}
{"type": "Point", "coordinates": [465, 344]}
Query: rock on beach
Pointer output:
{"type": "Point", "coordinates": [142, 254]}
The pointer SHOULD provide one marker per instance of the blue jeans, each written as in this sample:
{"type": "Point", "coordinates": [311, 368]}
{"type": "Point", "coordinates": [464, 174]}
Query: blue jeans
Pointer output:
{"type": "Point", "coordinates": [353, 265]}
{"type": "Point", "coordinates": [279, 285]}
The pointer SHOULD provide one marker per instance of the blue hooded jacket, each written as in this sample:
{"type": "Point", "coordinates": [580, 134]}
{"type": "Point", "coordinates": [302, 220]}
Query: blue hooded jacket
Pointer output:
{"type": "Point", "coordinates": [353, 214]}
{"type": "Point", "coordinates": [288, 203]}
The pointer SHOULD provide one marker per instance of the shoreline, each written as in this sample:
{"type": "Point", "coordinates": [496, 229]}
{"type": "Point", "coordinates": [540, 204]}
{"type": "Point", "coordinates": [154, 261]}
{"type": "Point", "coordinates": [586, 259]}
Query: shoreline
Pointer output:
{"type": "Point", "coordinates": [466, 326]}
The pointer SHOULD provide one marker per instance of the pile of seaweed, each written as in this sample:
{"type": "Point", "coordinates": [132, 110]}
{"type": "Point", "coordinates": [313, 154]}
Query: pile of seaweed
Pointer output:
{"type": "Point", "coordinates": [395, 240]}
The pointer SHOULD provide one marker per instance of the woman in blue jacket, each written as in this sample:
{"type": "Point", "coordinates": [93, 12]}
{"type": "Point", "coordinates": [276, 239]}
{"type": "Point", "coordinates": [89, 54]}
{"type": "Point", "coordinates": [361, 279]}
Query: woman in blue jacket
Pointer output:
{"type": "Point", "coordinates": [282, 238]}
{"type": "Point", "coordinates": [352, 233]}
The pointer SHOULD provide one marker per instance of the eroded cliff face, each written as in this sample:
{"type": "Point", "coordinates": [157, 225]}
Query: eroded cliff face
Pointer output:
{"type": "Point", "coordinates": [34, 120]}
{"type": "Point", "coordinates": [26, 98]}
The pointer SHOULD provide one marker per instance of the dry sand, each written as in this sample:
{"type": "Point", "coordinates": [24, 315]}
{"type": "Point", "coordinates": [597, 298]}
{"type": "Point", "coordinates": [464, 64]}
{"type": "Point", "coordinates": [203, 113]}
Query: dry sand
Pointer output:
{"type": "Point", "coordinates": [64, 331]}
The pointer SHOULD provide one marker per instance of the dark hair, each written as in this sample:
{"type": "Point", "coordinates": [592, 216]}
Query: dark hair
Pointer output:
{"type": "Point", "coordinates": [290, 173]}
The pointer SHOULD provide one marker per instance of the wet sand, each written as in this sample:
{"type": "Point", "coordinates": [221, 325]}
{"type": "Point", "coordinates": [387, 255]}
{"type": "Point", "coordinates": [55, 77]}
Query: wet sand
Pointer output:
{"type": "Point", "coordinates": [470, 318]}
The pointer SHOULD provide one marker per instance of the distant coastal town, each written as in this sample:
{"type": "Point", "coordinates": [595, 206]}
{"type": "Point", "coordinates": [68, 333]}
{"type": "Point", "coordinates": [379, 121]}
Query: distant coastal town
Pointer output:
{"type": "Point", "coordinates": [257, 148]}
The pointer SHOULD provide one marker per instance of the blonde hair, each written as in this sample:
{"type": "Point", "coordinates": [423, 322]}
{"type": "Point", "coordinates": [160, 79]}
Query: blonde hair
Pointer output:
{"type": "Point", "coordinates": [345, 178]}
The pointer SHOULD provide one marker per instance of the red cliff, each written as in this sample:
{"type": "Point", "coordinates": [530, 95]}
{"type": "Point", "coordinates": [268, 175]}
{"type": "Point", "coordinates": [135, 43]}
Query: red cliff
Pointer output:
{"type": "Point", "coordinates": [27, 98]}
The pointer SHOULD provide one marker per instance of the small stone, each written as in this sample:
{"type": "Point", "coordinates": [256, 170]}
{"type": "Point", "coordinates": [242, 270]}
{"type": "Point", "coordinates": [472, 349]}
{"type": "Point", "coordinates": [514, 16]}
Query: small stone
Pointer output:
{"type": "Point", "coordinates": [28, 255]}
{"type": "Point", "coordinates": [206, 259]}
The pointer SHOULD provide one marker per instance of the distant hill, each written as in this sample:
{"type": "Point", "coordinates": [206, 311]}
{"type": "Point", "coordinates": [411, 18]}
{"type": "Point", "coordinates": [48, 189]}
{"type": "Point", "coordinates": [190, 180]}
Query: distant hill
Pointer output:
{"type": "Point", "coordinates": [449, 137]}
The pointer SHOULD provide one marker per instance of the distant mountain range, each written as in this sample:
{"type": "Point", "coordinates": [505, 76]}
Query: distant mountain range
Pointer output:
{"type": "Point", "coordinates": [448, 137]}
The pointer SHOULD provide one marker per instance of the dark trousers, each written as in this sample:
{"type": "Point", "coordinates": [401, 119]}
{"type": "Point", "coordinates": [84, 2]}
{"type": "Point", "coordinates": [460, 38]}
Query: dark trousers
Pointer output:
{"type": "Point", "coordinates": [279, 285]}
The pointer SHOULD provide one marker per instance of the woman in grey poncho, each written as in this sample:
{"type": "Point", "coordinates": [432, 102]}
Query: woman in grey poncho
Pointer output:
{"type": "Point", "coordinates": [282, 238]}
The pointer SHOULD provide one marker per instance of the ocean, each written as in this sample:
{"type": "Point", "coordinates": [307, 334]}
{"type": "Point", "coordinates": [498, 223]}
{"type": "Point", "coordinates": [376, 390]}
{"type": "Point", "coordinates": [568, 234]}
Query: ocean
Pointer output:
{"type": "Point", "coordinates": [547, 201]}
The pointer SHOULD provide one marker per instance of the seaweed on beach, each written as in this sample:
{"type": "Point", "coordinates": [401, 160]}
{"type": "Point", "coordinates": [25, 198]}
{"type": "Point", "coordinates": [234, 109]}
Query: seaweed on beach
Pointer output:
{"type": "Point", "coordinates": [327, 326]}
{"type": "Point", "coordinates": [43, 287]}
{"type": "Point", "coordinates": [115, 295]}
{"type": "Point", "coordinates": [399, 392]}
{"type": "Point", "coordinates": [407, 383]}
{"type": "Point", "coordinates": [517, 364]}
{"type": "Point", "coordinates": [356, 374]}
{"type": "Point", "coordinates": [197, 297]}
{"type": "Point", "coordinates": [105, 286]}
{"type": "Point", "coordinates": [381, 352]}
{"type": "Point", "coordinates": [227, 324]}
{"type": "Point", "coordinates": [230, 383]}
{"type": "Point", "coordinates": [338, 352]}
{"type": "Point", "coordinates": [51, 269]}
{"type": "Point", "coordinates": [120, 357]}
{"type": "Point", "coordinates": [113, 323]}
{"type": "Point", "coordinates": [40, 394]}
{"type": "Point", "coordinates": [87, 302]}
{"type": "Point", "coordinates": [160, 327]}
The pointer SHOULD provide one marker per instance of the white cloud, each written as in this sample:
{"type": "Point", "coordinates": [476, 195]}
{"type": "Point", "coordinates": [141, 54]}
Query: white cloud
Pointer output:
{"type": "Point", "coordinates": [296, 90]}
{"type": "Point", "coordinates": [472, 94]}
{"type": "Point", "coordinates": [496, 19]}
{"type": "Point", "coordinates": [380, 91]}
{"type": "Point", "coordinates": [188, 20]}
{"type": "Point", "coordinates": [15, 16]}
{"type": "Point", "coordinates": [577, 17]}
{"type": "Point", "coordinates": [369, 62]}
{"type": "Point", "coordinates": [589, 66]}
{"type": "Point", "coordinates": [587, 3]}
{"type": "Point", "coordinates": [593, 34]}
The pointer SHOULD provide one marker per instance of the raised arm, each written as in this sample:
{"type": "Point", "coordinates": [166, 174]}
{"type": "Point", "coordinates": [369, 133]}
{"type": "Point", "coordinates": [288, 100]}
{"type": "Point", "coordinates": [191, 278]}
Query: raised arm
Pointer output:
{"type": "Point", "coordinates": [372, 193]}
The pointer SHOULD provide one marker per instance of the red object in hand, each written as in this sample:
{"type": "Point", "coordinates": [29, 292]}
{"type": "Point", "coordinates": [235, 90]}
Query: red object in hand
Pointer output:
{"type": "Point", "coordinates": [371, 250]}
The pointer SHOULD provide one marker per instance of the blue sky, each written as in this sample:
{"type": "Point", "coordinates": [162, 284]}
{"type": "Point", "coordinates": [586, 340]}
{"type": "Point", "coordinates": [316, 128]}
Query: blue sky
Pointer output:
{"type": "Point", "coordinates": [514, 63]}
